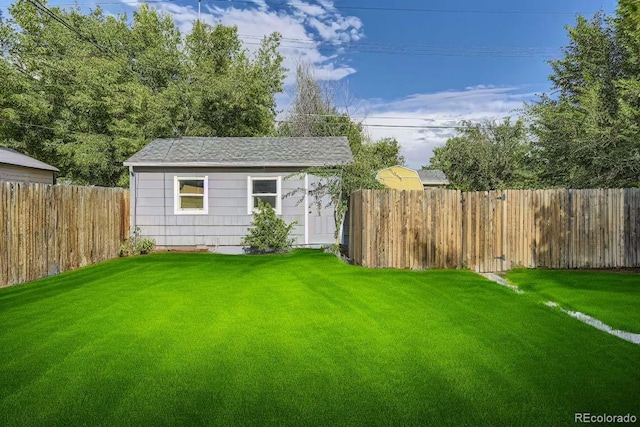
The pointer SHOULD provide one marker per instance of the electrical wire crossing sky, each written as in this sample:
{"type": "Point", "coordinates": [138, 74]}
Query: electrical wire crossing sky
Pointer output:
{"type": "Point", "coordinates": [416, 71]}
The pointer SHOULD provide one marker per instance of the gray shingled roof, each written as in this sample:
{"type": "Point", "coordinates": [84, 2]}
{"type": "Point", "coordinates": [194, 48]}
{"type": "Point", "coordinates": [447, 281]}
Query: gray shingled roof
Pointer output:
{"type": "Point", "coordinates": [433, 177]}
{"type": "Point", "coordinates": [226, 152]}
{"type": "Point", "coordinates": [12, 157]}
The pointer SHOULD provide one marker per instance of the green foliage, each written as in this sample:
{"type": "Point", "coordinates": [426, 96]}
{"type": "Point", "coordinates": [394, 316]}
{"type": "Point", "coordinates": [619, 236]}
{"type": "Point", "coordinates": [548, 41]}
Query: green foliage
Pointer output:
{"type": "Point", "coordinates": [85, 103]}
{"type": "Point", "coordinates": [627, 24]}
{"type": "Point", "coordinates": [269, 233]}
{"type": "Point", "coordinates": [137, 244]}
{"type": "Point", "coordinates": [587, 136]}
{"type": "Point", "coordinates": [592, 56]}
{"type": "Point", "coordinates": [487, 156]}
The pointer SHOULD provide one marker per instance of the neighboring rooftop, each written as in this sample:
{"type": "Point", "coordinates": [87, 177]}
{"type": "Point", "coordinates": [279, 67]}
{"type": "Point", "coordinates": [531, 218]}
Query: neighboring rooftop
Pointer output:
{"type": "Point", "coordinates": [225, 152]}
{"type": "Point", "coordinates": [433, 177]}
{"type": "Point", "coordinates": [14, 158]}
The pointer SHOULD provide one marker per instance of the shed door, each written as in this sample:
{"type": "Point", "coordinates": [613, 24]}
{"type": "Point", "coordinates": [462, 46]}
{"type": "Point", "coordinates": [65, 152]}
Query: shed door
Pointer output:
{"type": "Point", "coordinates": [321, 225]}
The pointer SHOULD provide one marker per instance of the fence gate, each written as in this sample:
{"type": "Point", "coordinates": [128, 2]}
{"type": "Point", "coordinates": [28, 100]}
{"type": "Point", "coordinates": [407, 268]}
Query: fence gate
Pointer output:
{"type": "Point", "coordinates": [484, 231]}
{"type": "Point", "coordinates": [495, 230]}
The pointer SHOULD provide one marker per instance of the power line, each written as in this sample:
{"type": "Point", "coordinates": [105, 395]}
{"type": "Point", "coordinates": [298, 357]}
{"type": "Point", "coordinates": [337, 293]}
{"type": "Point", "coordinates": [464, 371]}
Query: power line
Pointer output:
{"type": "Point", "coordinates": [347, 7]}
{"type": "Point", "coordinates": [355, 117]}
{"type": "Point", "coordinates": [32, 125]}
{"type": "Point", "coordinates": [377, 47]}
{"type": "Point", "coordinates": [415, 126]}
{"type": "Point", "coordinates": [425, 52]}
{"type": "Point", "coordinates": [387, 49]}
{"type": "Point", "coordinates": [448, 51]}
{"type": "Point", "coordinates": [109, 3]}
{"type": "Point", "coordinates": [366, 43]}
{"type": "Point", "coordinates": [407, 49]}
{"type": "Point", "coordinates": [405, 9]}
{"type": "Point", "coordinates": [375, 125]}
{"type": "Point", "coordinates": [44, 9]}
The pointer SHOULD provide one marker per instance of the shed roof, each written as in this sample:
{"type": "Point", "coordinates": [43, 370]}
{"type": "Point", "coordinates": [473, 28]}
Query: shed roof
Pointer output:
{"type": "Point", "coordinates": [433, 177]}
{"type": "Point", "coordinates": [12, 157]}
{"type": "Point", "coordinates": [241, 151]}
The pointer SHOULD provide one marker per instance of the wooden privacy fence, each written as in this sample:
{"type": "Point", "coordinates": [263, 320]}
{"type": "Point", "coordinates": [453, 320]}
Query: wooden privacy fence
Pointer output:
{"type": "Point", "coordinates": [47, 229]}
{"type": "Point", "coordinates": [405, 229]}
{"type": "Point", "coordinates": [495, 230]}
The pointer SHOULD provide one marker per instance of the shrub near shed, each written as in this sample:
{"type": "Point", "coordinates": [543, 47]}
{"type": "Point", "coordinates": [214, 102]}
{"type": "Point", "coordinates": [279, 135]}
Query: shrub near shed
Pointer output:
{"type": "Point", "coordinates": [269, 233]}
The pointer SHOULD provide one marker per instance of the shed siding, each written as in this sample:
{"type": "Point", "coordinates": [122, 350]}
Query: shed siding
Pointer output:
{"type": "Point", "coordinates": [227, 220]}
{"type": "Point", "coordinates": [24, 174]}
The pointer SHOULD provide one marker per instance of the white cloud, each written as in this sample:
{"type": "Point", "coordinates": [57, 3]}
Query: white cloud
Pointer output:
{"type": "Point", "coordinates": [439, 110]}
{"type": "Point", "coordinates": [308, 8]}
{"type": "Point", "coordinates": [338, 30]}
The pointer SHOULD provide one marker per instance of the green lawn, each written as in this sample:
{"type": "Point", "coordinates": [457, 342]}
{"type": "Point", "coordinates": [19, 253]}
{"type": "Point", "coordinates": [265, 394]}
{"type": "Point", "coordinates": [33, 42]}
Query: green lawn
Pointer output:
{"type": "Point", "coordinates": [301, 339]}
{"type": "Point", "coordinates": [611, 297]}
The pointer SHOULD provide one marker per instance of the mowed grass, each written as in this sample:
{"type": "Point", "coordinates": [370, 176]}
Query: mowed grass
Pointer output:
{"type": "Point", "coordinates": [301, 339]}
{"type": "Point", "coordinates": [612, 297]}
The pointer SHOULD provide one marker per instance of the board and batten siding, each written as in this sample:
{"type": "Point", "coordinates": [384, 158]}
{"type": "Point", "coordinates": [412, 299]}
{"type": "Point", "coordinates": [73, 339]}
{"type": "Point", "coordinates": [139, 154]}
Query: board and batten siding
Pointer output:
{"type": "Point", "coordinates": [227, 220]}
{"type": "Point", "coordinates": [16, 173]}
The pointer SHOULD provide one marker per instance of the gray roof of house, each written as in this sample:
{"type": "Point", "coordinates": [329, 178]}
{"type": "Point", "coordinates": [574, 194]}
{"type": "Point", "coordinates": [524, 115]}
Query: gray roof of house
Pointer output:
{"type": "Point", "coordinates": [225, 152]}
{"type": "Point", "coordinates": [433, 177]}
{"type": "Point", "coordinates": [12, 157]}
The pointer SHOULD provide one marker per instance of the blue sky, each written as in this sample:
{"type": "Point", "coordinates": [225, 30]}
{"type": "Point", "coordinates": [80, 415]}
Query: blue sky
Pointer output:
{"type": "Point", "coordinates": [402, 66]}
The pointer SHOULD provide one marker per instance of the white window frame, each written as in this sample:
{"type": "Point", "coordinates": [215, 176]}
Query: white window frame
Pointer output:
{"type": "Point", "coordinates": [176, 195]}
{"type": "Point", "coordinates": [278, 194]}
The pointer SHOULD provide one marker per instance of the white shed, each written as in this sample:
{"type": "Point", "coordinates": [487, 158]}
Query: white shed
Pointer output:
{"type": "Point", "coordinates": [201, 192]}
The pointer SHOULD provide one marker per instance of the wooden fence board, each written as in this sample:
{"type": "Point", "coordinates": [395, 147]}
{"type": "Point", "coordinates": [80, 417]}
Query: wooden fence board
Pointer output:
{"type": "Point", "coordinates": [442, 228]}
{"type": "Point", "coordinates": [47, 229]}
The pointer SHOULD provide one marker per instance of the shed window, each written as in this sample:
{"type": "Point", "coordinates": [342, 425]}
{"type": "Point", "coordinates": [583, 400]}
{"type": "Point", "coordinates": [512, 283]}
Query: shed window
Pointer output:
{"type": "Point", "coordinates": [191, 195]}
{"type": "Point", "coordinates": [267, 189]}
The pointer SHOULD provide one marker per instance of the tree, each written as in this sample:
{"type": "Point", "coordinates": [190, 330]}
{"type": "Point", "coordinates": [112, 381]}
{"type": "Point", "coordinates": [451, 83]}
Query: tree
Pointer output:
{"type": "Point", "coordinates": [86, 95]}
{"type": "Point", "coordinates": [587, 136]}
{"type": "Point", "coordinates": [592, 56]}
{"type": "Point", "coordinates": [314, 113]}
{"type": "Point", "coordinates": [311, 107]}
{"type": "Point", "coordinates": [627, 25]}
{"type": "Point", "coordinates": [487, 156]}
{"type": "Point", "coordinates": [233, 94]}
